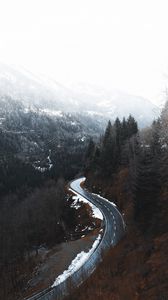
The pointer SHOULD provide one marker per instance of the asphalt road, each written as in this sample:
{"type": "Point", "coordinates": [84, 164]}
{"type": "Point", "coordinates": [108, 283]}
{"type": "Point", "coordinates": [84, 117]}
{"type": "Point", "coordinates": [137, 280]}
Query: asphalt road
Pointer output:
{"type": "Point", "coordinates": [113, 220]}
{"type": "Point", "coordinates": [114, 229]}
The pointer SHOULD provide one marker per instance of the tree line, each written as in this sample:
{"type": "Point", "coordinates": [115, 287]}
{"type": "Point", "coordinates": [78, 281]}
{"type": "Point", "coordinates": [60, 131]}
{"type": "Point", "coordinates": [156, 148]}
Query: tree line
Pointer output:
{"type": "Point", "coordinates": [145, 155]}
{"type": "Point", "coordinates": [110, 153]}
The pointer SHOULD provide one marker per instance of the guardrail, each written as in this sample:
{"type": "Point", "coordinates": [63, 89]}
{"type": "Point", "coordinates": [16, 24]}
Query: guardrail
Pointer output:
{"type": "Point", "coordinates": [60, 291]}
{"type": "Point", "coordinates": [77, 278]}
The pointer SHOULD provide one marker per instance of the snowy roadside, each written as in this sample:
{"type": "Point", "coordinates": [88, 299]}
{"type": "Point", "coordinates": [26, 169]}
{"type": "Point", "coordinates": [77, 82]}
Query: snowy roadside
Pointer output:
{"type": "Point", "coordinates": [83, 256]}
{"type": "Point", "coordinates": [105, 199]}
{"type": "Point", "coordinates": [77, 263]}
{"type": "Point", "coordinates": [122, 215]}
{"type": "Point", "coordinates": [77, 202]}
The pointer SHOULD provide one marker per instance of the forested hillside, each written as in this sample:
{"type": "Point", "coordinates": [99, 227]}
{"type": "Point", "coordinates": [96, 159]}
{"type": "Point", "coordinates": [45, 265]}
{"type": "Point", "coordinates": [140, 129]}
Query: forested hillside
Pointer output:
{"type": "Point", "coordinates": [83, 150]}
{"type": "Point", "coordinates": [38, 152]}
{"type": "Point", "coordinates": [40, 144]}
{"type": "Point", "coordinates": [130, 167]}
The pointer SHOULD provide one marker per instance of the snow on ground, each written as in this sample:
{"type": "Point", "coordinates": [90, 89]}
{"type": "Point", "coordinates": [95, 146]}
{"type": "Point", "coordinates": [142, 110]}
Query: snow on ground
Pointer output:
{"type": "Point", "coordinates": [105, 199]}
{"type": "Point", "coordinates": [94, 113]}
{"type": "Point", "coordinates": [48, 165]}
{"type": "Point", "coordinates": [40, 169]}
{"type": "Point", "coordinates": [73, 123]}
{"type": "Point", "coordinates": [49, 160]}
{"type": "Point", "coordinates": [96, 213]}
{"type": "Point", "coordinates": [77, 263]}
{"type": "Point", "coordinates": [49, 112]}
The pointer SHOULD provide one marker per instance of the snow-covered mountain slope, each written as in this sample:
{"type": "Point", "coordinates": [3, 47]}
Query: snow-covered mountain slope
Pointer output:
{"type": "Point", "coordinates": [46, 142]}
{"type": "Point", "coordinates": [115, 103]}
{"type": "Point", "coordinates": [22, 85]}
{"type": "Point", "coordinates": [49, 96]}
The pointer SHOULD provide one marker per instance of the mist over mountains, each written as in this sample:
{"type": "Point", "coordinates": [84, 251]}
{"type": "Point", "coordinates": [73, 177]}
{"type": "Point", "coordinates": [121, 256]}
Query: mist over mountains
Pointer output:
{"type": "Point", "coordinates": [45, 124]}
{"type": "Point", "coordinates": [49, 96]}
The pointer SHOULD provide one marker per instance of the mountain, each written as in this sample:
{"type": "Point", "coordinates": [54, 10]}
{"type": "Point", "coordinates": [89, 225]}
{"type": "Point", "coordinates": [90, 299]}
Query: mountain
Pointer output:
{"type": "Point", "coordinates": [50, 96]}
{"type": "Point", "coordinates": [114, 103]}
{"type": "Point", "coordinates": [46, 141]}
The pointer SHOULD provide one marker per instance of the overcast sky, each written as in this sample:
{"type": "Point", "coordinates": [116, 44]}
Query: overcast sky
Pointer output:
{"type": "Point", "coordinates": [119, 44]}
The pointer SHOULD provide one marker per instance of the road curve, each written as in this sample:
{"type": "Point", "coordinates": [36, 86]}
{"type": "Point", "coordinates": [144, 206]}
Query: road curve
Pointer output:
{"type": "Point", "coordinates": [114, 229]}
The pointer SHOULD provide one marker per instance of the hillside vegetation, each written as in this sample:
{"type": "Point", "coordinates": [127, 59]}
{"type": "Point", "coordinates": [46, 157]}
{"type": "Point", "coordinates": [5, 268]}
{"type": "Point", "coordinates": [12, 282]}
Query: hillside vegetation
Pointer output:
{"type": "Point", "coordinates": [38, 152]}
{"type": "Point", "coordinates": [130, 168]}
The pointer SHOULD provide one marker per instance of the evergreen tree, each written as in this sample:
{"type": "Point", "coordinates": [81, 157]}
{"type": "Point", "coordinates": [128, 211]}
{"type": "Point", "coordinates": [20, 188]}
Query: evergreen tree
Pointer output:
{"type": "Point", "coordinates": [89, 155]}
{"type": "Point", "coordinates": [107, 151]}
{"type": "Point", "coordinates": [108, 135]}
{"type": "Point", "coordinates": [117, 141]}
{"type": "Point", "coordinates": [117, 126]}
{"type": "Point", "coordinates": [155, 138]}
{"type": "Point", "coordinates": [132, 126]}
{"type": "Point", "coordinates": [147, 187]}
{"type": "Point", "coordinates": [124, 133]}
{"type": "Point", "coordinates": [164, 148]}
{"type": "Point", "coordinates": [90, 150]}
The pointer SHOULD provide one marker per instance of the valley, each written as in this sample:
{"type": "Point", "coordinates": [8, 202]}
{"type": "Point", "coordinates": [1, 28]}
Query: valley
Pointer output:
{"type": "Point", "coordinates": [50, 135]}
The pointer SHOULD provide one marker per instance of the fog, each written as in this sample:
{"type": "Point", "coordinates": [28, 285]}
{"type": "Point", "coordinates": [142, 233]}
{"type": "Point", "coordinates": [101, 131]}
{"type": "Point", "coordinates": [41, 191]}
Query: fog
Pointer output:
{"type": "Point", "coordinates": [114, 44]}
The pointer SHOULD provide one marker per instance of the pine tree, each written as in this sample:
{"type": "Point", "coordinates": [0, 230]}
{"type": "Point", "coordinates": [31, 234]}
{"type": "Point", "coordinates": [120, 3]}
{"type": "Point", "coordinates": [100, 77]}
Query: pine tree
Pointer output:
{"type": "Point", "coordinates": [164, 147]}
{"type": "Point", "coordinates": [89, 155]}
{"type": "Point", "coordinates": [132, 127]}
{"type": "Point", "coordinates": [107, 150]}
{"type": "Point", "coordinates": [117, 141]}
{"type": "Point", "coordinates": [117, 126]}
{"type": "Point", "coordinates": [108, 135]}
{"type": "Point", "coordinates": [147, 187]}
{"type": "Point", "coordinates": [90, 149]}
{"type": "Point", "coordinates": [124, 133]}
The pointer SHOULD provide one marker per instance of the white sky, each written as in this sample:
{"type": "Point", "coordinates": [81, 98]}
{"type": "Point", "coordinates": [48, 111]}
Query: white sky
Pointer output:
{"type": "Point", "coordinates": [119, 44]}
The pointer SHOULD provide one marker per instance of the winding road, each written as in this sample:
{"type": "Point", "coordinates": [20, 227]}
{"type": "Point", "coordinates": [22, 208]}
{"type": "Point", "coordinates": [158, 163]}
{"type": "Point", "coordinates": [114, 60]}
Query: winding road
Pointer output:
{"type": "Point", "coordinates": [114, 229]}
